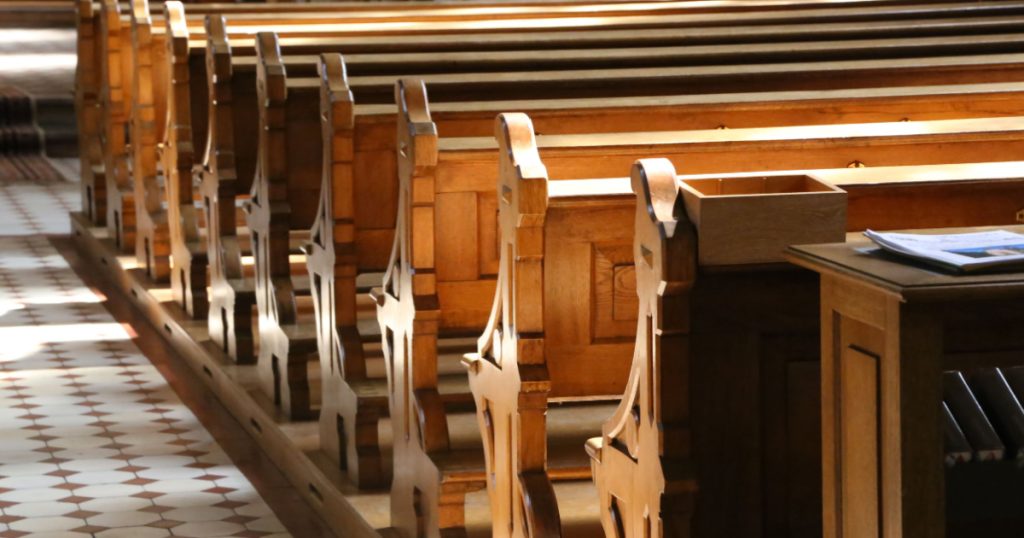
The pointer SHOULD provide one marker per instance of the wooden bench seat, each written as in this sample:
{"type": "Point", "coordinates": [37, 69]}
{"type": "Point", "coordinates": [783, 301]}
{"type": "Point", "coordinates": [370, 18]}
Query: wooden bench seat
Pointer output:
{"type": "Point", "coordinates": [673, 289]}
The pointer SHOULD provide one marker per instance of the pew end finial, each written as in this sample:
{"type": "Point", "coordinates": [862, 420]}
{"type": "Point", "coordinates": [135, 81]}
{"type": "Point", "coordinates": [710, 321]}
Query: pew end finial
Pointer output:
{"type": "Point", "coordinates": [140, 13]}
{"type": "Point", "coordinates": [654, 184]}
{"type": "Point", "coordinates": [417, 133]}
{"type": "Point", "coordinates": [336, 99]}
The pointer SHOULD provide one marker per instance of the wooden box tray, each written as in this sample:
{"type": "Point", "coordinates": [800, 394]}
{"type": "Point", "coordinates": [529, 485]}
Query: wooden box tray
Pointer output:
{"type": "Point", "coordinates": [752, 219]}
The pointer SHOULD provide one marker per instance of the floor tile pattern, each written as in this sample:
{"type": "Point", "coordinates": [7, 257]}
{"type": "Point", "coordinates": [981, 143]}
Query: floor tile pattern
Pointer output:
{"type": "Point", "coordinates": [37, 209]}
{"type": "Point", "coordinates": [93, 442]}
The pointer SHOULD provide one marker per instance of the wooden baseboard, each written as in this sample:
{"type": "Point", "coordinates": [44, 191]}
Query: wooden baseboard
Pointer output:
{"type": "Point", "coordinates": [293, 446]}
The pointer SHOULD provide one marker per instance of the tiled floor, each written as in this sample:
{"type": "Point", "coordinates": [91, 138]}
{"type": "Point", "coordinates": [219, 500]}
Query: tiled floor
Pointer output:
{"type": "Point", "coordinates": [93, 441]}
{"type": "Point", "coordinates": [37, 209]}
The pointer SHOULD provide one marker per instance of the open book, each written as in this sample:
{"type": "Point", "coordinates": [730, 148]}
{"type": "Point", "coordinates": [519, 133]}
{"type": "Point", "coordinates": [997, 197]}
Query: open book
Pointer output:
{"type": "Point", "coordinates": [997, 250]}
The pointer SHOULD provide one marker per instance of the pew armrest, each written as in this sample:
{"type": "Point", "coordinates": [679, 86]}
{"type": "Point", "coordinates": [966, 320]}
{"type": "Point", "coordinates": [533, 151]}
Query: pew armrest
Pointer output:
{"type": "Point", "coordinates": [378, 296]}
{"type": "Point", "coordinates": [472, 362]}
{"type": "Point", "coordinates": [594, 445]}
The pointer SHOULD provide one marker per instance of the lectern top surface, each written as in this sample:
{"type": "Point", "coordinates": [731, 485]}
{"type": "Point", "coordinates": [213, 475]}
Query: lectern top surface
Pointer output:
{"type": "Point", "coordinates": [904, 277]}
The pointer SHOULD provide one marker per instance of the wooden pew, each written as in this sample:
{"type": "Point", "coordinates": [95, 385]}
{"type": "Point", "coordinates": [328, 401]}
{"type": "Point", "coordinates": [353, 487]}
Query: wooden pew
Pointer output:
{"type": "Point", "coordinates": [462, 86]}
{"type": "Point", "coordinates": [280, 375]}
{"type": "Point", "coordinates": [138, 14]}
{"type": "Point", "coordinates": [372, 255]}
{"type": "Point", "coordinates": [188, 286]}
{"type": "Point", "coordinates": [547, 320]}
{"type": "Point", "coordinates": [276, 378]}
{"type": "Point", "coordinates": [447, 262]}
{"type": "Point", "coordinates": [159, 261]}
{"type": "Point", "coordinates": [371, 229]}
{"type": "Point", "coordinates": [360, 245]}
{"type": "Point", "coordinates": [644, 460]}
{"type": "Point", "coordinates": [286, 344]}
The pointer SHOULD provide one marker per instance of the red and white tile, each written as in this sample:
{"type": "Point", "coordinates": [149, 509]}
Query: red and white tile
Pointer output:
{"type": "Point", "coordinates": [93, 441]}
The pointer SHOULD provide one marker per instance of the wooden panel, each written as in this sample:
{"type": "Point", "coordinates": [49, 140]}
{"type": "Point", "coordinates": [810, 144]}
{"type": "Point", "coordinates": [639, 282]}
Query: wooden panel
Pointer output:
{"type": "Point", "coordinates": [615, 300]}
{"type": "Point", "coordinates": [606, 368]}
{"type": "Point", "coordinates": [477, 172]}
{"type": "Point", "coordinates": [374, 247]}
{"type": "Point", "coordinates": [569, 305]}
{"type": "Point", "coordinates": [376, 189]}
{"type": "Point", "coordinates": [243, 100]}
{"type": "Point", "coordinates": [892, 207]}
{"type": "Point", "coordinates": [489, 244]}
{"type": "Point", "coordinates": [726, 401]}
{"type": "Point", "coordinates": [305, 157]}
{"type": "Point", "coordinates": [803, 449]}
{"type": "Point", "coordinates": [465, 304]}
{"type": "Point", "coordinates": [423, 220]}
{"type": "Point", "coordinates": [843, 307]}
{"type": "Point", "coordinates": [858, 435]}
{"type": "Point", "coordinates": [457, 238]}
{"type": "Point", "coordinates": [625, 303]}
